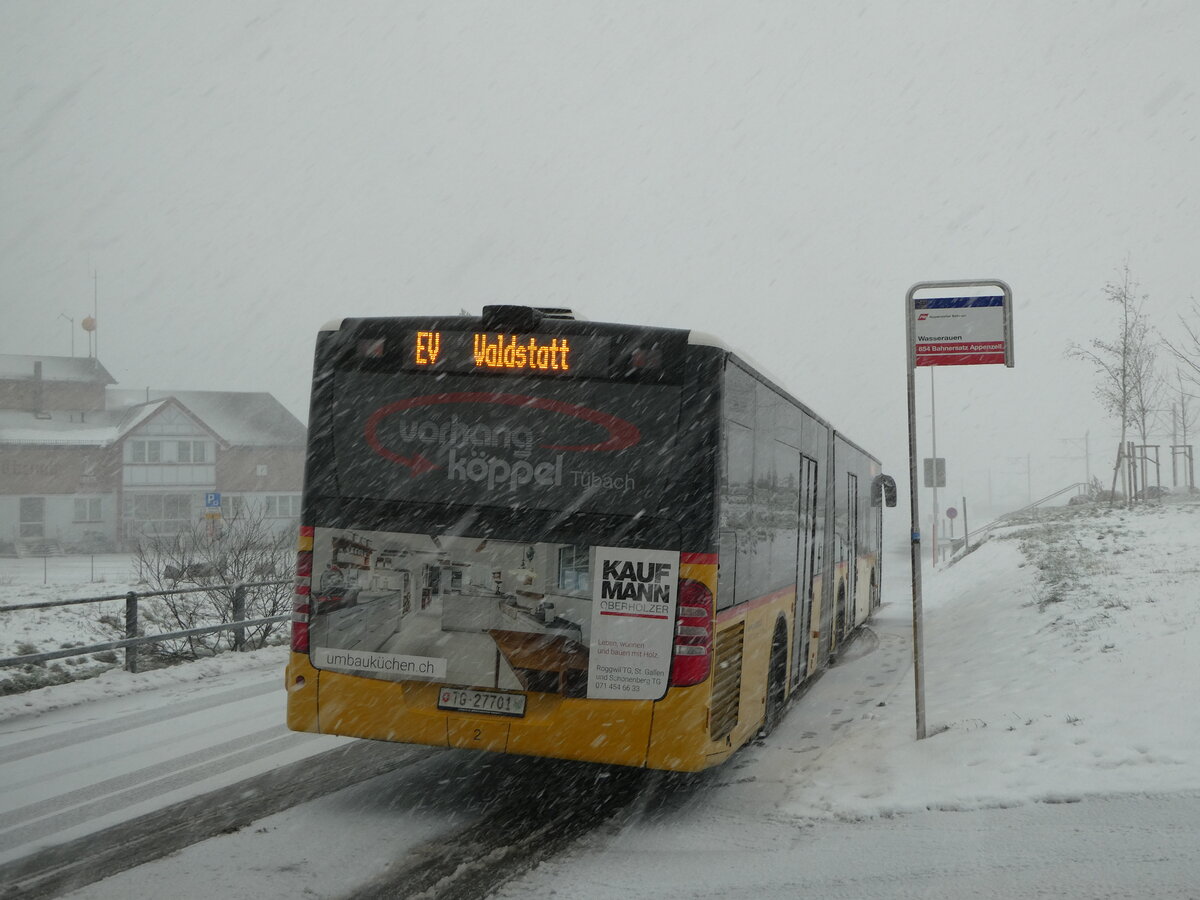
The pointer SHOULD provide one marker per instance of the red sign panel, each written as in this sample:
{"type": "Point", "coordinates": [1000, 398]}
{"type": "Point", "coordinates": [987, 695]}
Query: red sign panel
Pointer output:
{"type": "Point", "coordinates": [957, 354]}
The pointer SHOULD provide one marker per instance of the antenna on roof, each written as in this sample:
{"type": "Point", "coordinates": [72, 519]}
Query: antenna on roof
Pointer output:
{"type": "Point", "coordinates": [71, 329]}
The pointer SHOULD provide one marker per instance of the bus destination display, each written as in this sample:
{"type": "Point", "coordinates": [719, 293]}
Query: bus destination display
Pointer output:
{"type": "Point", "coordinates": [489, 351]}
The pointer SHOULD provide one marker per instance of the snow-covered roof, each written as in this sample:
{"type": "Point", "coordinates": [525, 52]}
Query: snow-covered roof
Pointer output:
{"type": "Point", "coordinates": [98, 429]}
{"type": "Point", "coordinates": [241, 419]}
{"type": "Point", "coordinates": [85, 369]}
{"type": "Point", "coordinates": [237, 419]}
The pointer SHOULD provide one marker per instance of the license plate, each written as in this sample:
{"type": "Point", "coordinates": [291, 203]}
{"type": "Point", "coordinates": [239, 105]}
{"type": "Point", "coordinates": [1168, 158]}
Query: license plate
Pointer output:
{"type": "Point", "coordinates": [494, 703]}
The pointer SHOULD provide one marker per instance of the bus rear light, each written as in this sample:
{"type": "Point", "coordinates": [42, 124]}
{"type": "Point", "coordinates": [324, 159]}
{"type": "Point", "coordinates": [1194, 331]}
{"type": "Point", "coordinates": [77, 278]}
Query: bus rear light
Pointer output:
{"type": "Point", "coordinates": [300, 637]}
{"type": "Point", "coordinates": [301, 607]}
{"type": "Point", "coordinates": [693, 634]}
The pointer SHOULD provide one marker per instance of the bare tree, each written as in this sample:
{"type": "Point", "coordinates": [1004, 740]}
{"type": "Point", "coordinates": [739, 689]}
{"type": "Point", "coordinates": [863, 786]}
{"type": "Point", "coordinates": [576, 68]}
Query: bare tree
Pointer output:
{"type": "Point", "coordinates": [1186, 348]}
{"type": "Point", "coordinates": [217, 556]}
{"type": "Point", "coordinates": [1147, 395]}
{"type": "Point", "coordinates": [1184, 415]}
{"type": "Point", "coordinates": [1126, 365]}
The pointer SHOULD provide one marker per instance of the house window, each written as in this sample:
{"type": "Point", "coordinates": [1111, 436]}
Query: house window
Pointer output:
{"type": "Point", "coordinates": [192, 452]}
{"type": "Point", "coordinates": [87, 509]}
{"type": "Point", "coordinates": [573, 574]}
{"type": "Point", "coordinates": [146, 451]}
{"type": "Point", "coordinates": [159, 513]}
{"type": "Point", "coordinates": [235, 505]}
{"type": "Point", "coordinates": [282, 506]}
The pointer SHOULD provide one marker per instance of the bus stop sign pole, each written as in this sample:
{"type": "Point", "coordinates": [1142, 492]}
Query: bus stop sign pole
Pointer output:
{"type": "Point", "coordinates": [952, 323]}
{"type": "Point", "coordinates": [918, 628]}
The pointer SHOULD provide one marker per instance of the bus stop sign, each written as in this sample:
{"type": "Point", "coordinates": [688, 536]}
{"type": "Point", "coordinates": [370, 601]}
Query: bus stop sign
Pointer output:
{"type": "Point", "coordinates": [971, 328]}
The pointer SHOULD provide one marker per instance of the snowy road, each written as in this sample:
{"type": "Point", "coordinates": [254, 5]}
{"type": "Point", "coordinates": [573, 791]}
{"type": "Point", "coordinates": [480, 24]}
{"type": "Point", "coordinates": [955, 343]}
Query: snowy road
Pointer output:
{"type": "Point", "coordinates": [93, 789]}
{"type": "Point", "coordinates": [73, 771]}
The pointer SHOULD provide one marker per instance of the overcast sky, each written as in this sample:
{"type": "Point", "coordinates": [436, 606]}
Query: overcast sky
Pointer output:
{"type": "Point", "coordinates": [777, 174]}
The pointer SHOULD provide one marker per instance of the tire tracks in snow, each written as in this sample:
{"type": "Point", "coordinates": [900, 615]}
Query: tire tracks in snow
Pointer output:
{"type": "Point", "coordinates": [545, 807]}
{"type": "Point", "coordinates": [81, 734]}
{"type": "Point", "coordinates": [65, 867]}
{"type": "Point", "coordinates": [55, 814]}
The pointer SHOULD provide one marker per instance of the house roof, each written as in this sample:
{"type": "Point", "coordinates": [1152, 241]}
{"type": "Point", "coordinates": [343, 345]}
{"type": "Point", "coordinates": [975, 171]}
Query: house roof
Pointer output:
{"type": "Point", "coordinates": [234, 418]}
{"type": "Point", "coordinates": [59, 428]}
{"type": "Point", "coordinates": [83, 369]}
{"type": "Point", "coordinates": [134, 417]}
{"type": "Point", "coordinates": [241, 419]}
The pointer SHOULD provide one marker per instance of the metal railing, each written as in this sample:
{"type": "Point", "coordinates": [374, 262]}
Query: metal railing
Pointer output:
{"type": "Point", "coordinates": [132, 641]}
{"type": "Point", "coordinates": [982, 533]}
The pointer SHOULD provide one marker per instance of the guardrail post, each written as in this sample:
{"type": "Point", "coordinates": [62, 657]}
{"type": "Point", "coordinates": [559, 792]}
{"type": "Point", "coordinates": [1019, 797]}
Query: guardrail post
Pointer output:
{"type": "Point", "coordinates": [131, 628]}
{"type": "Point", "coordinates": [239, 615]}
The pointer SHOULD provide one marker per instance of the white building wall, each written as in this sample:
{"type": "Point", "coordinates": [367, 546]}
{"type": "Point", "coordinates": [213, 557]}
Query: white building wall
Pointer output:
{"type": "Point", "coordinates": [59, 522]}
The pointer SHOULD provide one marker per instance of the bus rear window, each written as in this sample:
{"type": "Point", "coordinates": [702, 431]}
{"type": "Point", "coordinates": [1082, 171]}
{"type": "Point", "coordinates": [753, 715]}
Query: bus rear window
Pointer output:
{"type": "Point", "coordinates": [517, 442]}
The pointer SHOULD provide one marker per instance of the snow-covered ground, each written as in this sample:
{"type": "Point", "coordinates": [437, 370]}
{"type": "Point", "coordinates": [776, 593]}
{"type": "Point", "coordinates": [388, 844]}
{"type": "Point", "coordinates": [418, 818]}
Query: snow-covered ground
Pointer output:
{"type": "Point", "coordinates": [26, 581]}
{"type": "Point", "coordinates": [1062, 665]}
{"type": "Point", "coordinates": [37, 580]}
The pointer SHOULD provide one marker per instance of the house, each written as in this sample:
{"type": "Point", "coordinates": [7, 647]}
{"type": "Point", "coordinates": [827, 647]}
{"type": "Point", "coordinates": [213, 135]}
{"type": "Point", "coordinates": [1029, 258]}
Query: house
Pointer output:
{"type": "Point", "coordinates": [85, 466]}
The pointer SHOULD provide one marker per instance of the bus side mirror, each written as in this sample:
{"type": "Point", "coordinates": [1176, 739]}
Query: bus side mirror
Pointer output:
{"type": "Point", "coordinates": [883, 491]}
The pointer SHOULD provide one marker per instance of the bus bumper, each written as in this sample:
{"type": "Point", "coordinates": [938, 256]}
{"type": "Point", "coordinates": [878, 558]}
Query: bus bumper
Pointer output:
{"type": "Point", "coordinates": [615, 732]}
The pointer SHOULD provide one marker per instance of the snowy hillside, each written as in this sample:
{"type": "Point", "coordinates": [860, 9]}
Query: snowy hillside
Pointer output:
{"type": "Point", "coordinates": [1061, 660]}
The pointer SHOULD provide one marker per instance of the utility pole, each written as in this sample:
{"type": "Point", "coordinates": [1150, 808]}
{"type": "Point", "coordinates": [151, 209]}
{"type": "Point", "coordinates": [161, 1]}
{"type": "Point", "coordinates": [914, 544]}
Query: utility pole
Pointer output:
{"type": "Point", "coordinates": [1087, 455]}
{"type": "Point", "coordinates": [71, 323]}
{"type": "Point", "coordinates": [1174, 444]}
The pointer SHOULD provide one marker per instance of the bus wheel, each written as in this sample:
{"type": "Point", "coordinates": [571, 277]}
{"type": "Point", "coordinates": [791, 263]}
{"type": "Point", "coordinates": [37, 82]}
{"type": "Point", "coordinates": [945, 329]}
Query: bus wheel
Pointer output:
{"type": "Point", "coordinates": [776, 680]}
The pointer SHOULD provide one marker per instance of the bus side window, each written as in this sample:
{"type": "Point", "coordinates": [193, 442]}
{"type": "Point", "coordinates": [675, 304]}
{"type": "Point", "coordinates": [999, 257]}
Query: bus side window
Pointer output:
{"type": "Point", "coordinates": [727, 570]}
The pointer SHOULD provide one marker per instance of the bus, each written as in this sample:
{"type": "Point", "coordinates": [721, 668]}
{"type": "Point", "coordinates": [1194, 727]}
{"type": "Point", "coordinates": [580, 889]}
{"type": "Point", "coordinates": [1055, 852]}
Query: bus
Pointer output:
{"type": "Point", "coordinates": [528, 533]}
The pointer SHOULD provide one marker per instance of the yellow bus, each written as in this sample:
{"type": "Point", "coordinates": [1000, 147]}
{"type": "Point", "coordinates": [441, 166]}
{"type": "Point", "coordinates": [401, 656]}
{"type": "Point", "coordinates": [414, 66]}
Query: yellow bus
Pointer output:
{"type": "Point", "coordinates": [531, 534]}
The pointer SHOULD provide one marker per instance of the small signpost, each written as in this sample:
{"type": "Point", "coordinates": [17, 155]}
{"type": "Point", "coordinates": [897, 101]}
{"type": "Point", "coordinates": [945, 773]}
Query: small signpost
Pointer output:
{"type": "Point", "coordinates": [950, 323]}
{"type": "Point", "coordinates": [935, 471]}
{"type": "Point", "coordinates": [212, 512]}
